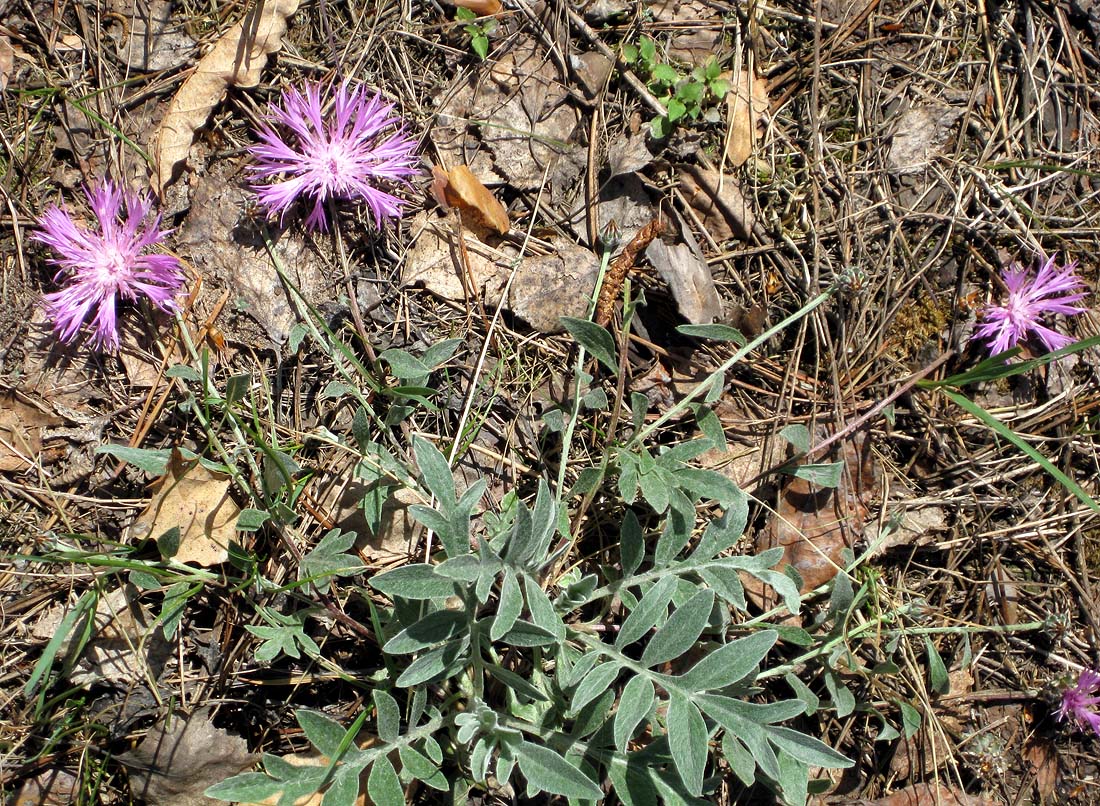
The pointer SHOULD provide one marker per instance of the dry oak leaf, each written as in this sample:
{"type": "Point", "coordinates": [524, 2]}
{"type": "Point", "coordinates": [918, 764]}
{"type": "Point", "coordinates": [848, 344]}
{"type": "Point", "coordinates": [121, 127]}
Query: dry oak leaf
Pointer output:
{"type": "Point", "coordinates": [236, 60]}
{"type": "Point", "coordinates": [21, 427]}
{"type": "Point", "coordinates": [746, 106]}
{"type": "Point", "coordinates": [478, 207]}
{"type": "Point", "coordinates": [178, 760]}
{"type": "Point", "coordinates": [195, 501]}
{"type": "Point", "coordinates": [930, 795]}
{"type": "Point", "coordinates": [813, 524]}
{"type": "Point", "coordinates": [483, 8]}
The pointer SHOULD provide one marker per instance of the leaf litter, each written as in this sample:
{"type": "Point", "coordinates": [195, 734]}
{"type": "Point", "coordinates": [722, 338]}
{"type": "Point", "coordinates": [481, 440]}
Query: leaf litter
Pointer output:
{"type": "Point", "coordinates": [722, 206]}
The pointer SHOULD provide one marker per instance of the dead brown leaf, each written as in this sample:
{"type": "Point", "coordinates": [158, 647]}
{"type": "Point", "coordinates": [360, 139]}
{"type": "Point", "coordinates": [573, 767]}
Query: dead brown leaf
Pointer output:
{"type": "Point", "coordinates": [552, 286]}
{"type": "Point", "coordinates": [235, 61]}
{"type": "Point", "coordinates": [921, 132]}
{"type": "Point", "coordinates": [53, 787]}
{"type": "Point", "coordinates": [147, 42]}
{"type": "Point", "coordinates": [930, 795]}
{"type": "Point", "coordinates": [693, 36]}
{"type": "Point", "coordinates": [688, 276]}
{"type": "Point", "coordinates": [483, 8]}
{"type": "Point", "coordinates": [195, 501]}
{"type": "Point", "coordinates": [21, 428]}
{"type": "Point", "coordinates": [746, 108]}
{"type": "Point", "coordinates": [1041, 755]}
{"type": "Point", "coordinates": [124, 645]}
{"type": "Point", "coordinates": [7, 62]}
{"type": "Point", "coordinates": [718, 200]}
{"type": "Point", "coordinates": [178, 759]}
{"type": "Point", "coordinates": [478, 207]}
{"type": "Point", "coordinates": [814, 524]}
{"type": "Point", "coordinates": [514, 120]}
{"type": "Point", "coordinates": [435, 261]}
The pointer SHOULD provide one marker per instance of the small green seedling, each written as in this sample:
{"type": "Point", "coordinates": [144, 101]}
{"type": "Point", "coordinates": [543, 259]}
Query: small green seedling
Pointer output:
{"type": "Point", "coordinates": [478, 29]}
{"type": "Point", "coordinates": [692, 95]}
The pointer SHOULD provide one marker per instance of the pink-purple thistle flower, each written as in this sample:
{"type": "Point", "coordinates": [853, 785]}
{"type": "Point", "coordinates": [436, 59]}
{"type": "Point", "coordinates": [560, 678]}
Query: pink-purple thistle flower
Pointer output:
{"type": "Point", "coordinates": [1079, 701]}
{"type": "Point", "coordinates": [99, 267]}
{"type": "Point", "coordinates": [349, 154]}
{"type": "Point", "coordinates": [1053, 290]}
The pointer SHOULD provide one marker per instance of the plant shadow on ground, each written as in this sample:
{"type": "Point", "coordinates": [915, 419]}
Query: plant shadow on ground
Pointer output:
{"type": "Point", "coordinates": [446, 554]}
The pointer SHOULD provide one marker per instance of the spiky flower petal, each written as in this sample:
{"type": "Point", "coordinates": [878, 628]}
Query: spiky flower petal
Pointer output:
{"type": "Point", "coordinates": [348, 154]}
{"type": "Point", "coordinates": [100, 266]}
{"type": "Point", "coordinates": [1078, 702]}
{"type": "Point", "coordinates": [1052, 291]}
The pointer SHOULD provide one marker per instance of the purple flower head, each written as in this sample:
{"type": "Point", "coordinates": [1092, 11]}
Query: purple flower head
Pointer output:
{"type": "Point", "coordinates": [1028, 299]}
{"type": "Point", "coordinates": [1078, 702]}
{"type": "Point", "coordinates": [343, 155]}
{"type": "Point", "coordinates": [110, 262]}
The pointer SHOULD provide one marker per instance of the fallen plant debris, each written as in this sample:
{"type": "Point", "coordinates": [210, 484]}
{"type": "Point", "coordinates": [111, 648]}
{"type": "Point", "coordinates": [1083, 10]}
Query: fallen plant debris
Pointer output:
{"type": "Point", "coordinates": [191, 516]}
{"type": "Point", "coordinates": [766, 523]}
{"type": "Point", "coordinates": [235, 61]}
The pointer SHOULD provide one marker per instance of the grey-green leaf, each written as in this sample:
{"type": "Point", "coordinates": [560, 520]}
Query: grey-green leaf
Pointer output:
{"type": "Point", "coordinates": [383, 786]}
{"type": "Point", "coordinates": [413, 581]}
{"type": "Point", "coordinates": [681, 631]}
{"type": "Point", "coordinates": [434, 628]}
{"type": "Point", "coordinates": [549, 772]}
{"type": "Point", "coordinates": [509, 607]}
{"type": "Point", "coordinates": [595, 339]}
{"type": "Point", "coordinates": [324, 733]}
{"type": "Point", "coordinates": [389, 716]}
{"type": "Point", "coordinates": [631, 543]}
{"type": "Point", "coordinates": [595, 683]}
{"type": "Point", "coordinates": [648, 612]}
{"type": "Point", "coordinates": [730, 663]}
{"type": "Point", "coordinates": [687, 739]}
{"type": "Point", "coordinates": [436, 472]}
{"type": "Point", "coordinates": [634, 705]}
{"type": "Point", "coordinates": [431, 664]}
{"type": "Point", "coordinates": [806, 749]}
{"type": "Point", "coordinates": [937, 671]}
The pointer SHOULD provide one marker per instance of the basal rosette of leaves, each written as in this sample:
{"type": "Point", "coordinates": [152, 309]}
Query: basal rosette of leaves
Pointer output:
{"type": "Point", "coordinates": [496, 676]}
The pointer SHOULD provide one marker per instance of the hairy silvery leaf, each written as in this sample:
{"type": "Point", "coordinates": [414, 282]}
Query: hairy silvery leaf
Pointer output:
{"type": "Point", "coordinates": [677, 531]}
{"type": "Point", "coordinates": [329, 559]}
{"type": "Point", "coordinates": [323, 733]}
{"type": "Point", "coordinates": [687, 739]}
{"type": "Point", "coordinates": [436, 472]}
{"type": "Point", "coordinates": [634, 706]}
{"type": "Point", "coordinates": [730, 663]}
{"type": "Point", "coordinates": [388, 716]}
{"type": "Point", "coordinates": [681, 631]}
{"type": "Point", "coordinates": [383, 785]}
{"type": "Point", "coordinates": [442, 661]}
{"type": "Point", "coordinates": [793, 779]}
{"type": "Point", "coordinates": [414, 581]}
{"type": "Point", "coordinates": [509, 607]}
{"type": "Point", "coordinates": [806, 749]}
{"type": "Point", "coordinates": [549, 772]}
{"type": "Point", "coordinates": [631, 543]}
{"type": "Point", "coordinates": [595, 683]}
{"type": "Point", "coordinates": [649, 612]}
{"type": "Point", "coordinates": [422, 769]}
{"type": "Point", "coordinates": [723, 533]}
{"type": "Point", "coordinates": [526, 634]}
{"type": "Point", "coordinates": [542, 611]}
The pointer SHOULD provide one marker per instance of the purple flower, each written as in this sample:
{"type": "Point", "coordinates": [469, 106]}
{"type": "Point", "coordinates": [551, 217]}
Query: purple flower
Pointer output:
{"type": "Point", "coordinates": [344, 155]}
{"type": "Point", "coordinates": [101, 265]}
{"type": "Point", "coordinates": [1078, 701]}
{"type": "Point", "coordinates": [1028, 299]}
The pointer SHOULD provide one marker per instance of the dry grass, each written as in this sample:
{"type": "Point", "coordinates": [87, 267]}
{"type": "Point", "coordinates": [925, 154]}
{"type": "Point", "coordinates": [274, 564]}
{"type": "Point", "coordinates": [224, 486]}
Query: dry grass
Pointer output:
{"type": "Point", "coordinates": [1014, 173]}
